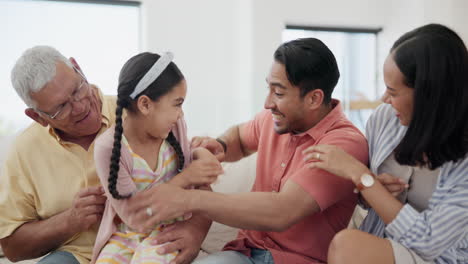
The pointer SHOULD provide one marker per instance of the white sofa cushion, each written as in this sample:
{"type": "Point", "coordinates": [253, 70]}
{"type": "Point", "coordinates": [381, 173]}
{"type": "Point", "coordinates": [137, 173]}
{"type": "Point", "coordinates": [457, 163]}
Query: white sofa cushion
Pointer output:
{"type": "Point", "coordinates": [238, 177]}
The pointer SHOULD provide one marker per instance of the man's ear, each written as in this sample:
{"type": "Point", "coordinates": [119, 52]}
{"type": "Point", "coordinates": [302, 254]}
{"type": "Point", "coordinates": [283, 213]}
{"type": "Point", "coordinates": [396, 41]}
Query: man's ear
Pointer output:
{"type": "Point", "coordinates": [144, 104]}
{"type": "Point", "coordinates": [314, 98]}
{"type": "Point", "coordinates": [74, 63]}
{"type": "Point", "coordinates": [35, 116]}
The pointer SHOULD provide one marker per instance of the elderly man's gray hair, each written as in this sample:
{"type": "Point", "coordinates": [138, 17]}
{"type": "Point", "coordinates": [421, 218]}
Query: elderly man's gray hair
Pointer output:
{"type": "Point", "coordinates": [34, 69]}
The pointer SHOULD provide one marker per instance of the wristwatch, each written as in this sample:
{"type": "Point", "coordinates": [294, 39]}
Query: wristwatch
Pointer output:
{"type": "Point", "coordinates": [366, 180]}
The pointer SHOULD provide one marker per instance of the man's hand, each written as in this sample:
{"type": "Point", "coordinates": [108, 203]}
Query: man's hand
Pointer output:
{"type": "Point", "coordinates": [165, 202]}
{"type": "Point", "coordinates": [36, 238]}
{"type": "Point", "coordinates": [185, 237]}
{"type": "Point", "coordinates": [210, 144]}
{"type": "Point", "coordinates": [87, 209]}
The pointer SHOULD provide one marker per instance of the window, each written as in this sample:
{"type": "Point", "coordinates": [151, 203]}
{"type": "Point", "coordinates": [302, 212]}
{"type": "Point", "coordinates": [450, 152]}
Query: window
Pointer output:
{"type": "Point", "coordinates": [100, 35]}
{"type": "Point", "coordinates": [355, 52]}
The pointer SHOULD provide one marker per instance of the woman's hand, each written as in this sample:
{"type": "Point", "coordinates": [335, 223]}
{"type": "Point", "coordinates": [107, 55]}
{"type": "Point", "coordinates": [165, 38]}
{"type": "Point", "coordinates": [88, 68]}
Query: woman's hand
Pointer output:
{"type": "Point", "coordinates": [334, 160]}
{"type": "Point", "coordinates": [393, 184]}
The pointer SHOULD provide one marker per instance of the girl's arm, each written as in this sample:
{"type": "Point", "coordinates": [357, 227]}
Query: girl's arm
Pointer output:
{"type": "Point", "coordinates": [125, 184]}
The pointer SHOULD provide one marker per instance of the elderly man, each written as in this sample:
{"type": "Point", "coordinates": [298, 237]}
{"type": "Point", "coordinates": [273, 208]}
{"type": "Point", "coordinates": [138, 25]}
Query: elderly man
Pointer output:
{"type": "Point", "coordinates": [293, 212]}
{"type": "Point", "coordinates": [50, 199]}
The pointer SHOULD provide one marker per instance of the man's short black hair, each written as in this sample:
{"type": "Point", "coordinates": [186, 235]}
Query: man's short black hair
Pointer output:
{"type": "Point", "coordinates": [309, 65]}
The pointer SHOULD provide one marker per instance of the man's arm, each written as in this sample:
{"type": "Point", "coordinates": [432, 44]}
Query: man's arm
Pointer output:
{"type": "Point", "coordinates": [37, 238]}
{"type": "Point", "coordinates": [236, 149]}
{"type": "Point", "coordinates": [184, 236]}
{"type": "Point", "coordinates": [262, 211]}
{"type": "Point", "coordinates": [254, 210]}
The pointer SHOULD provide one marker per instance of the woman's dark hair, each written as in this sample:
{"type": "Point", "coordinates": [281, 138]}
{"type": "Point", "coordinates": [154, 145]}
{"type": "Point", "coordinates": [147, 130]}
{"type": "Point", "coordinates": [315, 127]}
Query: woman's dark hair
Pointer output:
{"type": "Point", "coordinates": [434, 62]}
{"type": "Point", "coordinates": [309, 65]}
{"type": "Point", "coordinates": [132, 72]}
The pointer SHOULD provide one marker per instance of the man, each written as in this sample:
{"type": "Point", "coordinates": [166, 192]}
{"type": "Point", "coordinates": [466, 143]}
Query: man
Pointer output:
{"type": "Point", "coordinates": [293, 212]}
{"type": "Point", "coordinates": [50, 199]}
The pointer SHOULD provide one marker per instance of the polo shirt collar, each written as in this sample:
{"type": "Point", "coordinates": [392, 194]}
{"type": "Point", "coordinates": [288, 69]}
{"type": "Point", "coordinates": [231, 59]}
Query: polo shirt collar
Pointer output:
{"type": "Point", "coordinates": [326, 123]}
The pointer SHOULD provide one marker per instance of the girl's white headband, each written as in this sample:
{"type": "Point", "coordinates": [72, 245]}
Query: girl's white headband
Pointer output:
{"type": "Point", "coordinates": [158, 67]}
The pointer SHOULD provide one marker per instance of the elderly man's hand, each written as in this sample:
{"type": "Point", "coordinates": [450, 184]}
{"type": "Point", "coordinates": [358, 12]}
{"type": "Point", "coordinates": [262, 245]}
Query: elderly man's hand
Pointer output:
{"type": "Point", "coordinates": [87, 209]}
{"type": "Point", "coordinates": [185, 237]}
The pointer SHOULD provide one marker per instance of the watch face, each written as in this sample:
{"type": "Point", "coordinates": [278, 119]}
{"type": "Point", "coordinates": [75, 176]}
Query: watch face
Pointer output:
{"type": "Point", "coordinates": [367, 180]}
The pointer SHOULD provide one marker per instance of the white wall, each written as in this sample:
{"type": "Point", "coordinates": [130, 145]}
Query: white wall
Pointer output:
{"type": "Point", "coordinates": [460, 18]}
{"type": "Point", "coordinates": [395, 17]}
{"type": "Point", "coordinates": [62, 25]}
{"type": "Point", "coordinates": [212, 44]}
{"type": "Point", "coordinates": [271, 17]}
{"type": "Point", "coordinates": [225, 48]}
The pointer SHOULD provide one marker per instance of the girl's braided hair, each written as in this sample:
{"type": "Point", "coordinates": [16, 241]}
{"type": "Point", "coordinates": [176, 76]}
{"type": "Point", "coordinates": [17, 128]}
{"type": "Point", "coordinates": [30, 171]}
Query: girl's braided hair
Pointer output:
{"type": "Point", "coordinates": [132, 72]}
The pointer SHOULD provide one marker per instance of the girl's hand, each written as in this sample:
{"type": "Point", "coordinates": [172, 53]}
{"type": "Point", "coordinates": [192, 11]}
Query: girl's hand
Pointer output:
{"type": "Point", "coordinates": [203, 170]}
{"type": "Point", "coordinates": [334, 160]}
{"type": "Point", "coordinates": [210, 144]}
{"type": "Point", "coordinates": [199, 153]}
{"type": "Point", "coordinates": [393, 184]}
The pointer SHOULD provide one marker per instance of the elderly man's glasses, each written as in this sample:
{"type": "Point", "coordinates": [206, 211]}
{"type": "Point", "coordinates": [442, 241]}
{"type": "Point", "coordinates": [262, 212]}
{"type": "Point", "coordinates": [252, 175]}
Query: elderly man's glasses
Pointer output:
{"type": "Point", "coordinates": [65, 109]}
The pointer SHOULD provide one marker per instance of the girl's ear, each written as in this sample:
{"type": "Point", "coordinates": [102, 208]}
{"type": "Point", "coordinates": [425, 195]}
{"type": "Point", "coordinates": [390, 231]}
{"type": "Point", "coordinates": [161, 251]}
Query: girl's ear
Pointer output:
{"type": "Point", "coordinates": [144, 104]}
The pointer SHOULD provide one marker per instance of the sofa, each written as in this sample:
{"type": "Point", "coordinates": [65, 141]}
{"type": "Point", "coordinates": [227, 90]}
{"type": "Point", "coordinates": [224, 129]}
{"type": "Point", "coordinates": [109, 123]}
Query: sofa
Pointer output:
{"type": "Point", "coordinates": [238, 177]}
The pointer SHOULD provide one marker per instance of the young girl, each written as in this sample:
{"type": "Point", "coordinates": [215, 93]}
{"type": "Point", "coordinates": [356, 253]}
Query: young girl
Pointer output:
{"type": "Point", "coordinates": [149, 147]}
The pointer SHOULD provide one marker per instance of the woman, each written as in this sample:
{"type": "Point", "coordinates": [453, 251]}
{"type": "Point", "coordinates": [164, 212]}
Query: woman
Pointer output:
{"type": "Point", "coordinates": [419, 139]}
